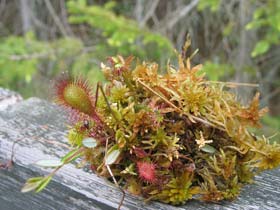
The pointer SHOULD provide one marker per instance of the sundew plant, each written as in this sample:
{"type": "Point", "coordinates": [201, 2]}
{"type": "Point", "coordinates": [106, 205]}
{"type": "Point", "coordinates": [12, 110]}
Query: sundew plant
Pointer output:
{"type": "Point", "coordinates": [168, 137]}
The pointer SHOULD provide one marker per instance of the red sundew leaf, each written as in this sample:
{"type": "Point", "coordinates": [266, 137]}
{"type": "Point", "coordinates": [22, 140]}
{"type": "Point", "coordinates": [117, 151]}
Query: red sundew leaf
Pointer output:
{"type": "Point", "coordinates": [147, 171]}
{"type": "Point", "coordinates": [75, 94]}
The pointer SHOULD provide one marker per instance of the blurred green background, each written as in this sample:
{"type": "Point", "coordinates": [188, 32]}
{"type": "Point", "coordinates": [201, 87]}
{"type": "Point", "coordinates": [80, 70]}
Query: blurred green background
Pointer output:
{"type": "Point", "coordinates": [238, 41]}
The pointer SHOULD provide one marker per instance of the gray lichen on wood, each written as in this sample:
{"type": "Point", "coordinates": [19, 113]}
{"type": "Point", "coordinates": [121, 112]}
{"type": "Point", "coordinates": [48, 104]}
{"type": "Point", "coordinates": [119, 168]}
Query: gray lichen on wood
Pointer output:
{"type": "Point", "coordinates": [40, 129]}
{"type": "Point", "coordinates": [8, 97]}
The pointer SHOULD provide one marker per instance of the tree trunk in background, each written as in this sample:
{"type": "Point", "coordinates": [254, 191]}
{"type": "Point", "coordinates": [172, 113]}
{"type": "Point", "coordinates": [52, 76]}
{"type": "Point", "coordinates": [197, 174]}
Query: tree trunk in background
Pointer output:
{"type": "Point", "coordinates": [243, 59]}
{"type": "Point", "coordinates": [26, 18]}
{"type": "Point", "coordinates": [138, 11]}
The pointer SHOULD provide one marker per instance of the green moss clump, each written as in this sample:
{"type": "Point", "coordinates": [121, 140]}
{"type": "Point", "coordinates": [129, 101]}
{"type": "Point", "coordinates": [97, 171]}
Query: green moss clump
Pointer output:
{"type": "Point", "coordinates": [170, 137]}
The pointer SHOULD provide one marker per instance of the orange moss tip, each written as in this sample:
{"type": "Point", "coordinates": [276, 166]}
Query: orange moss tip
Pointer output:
{"type": "Point", "coordinates": [120, 62]}
{"type": "Point", "coordinates": [118, 66]}
{"type": "Point", "coordinates": [147, 171]}
{"type": "Point", "coordinates": [75, 94]}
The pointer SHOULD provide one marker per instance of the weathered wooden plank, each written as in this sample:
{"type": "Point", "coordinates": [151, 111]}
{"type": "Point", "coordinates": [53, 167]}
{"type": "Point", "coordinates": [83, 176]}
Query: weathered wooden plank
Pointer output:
{"type": "Point", "coordinates": [39, 127]}
{"type": "Point", "coordinates": [8, 97]}
{"type": "Point", "coordinates": [55, 197]}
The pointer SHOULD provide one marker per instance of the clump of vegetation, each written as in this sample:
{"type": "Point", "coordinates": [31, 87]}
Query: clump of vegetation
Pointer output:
{"type": "Point", "coordinates": [169, 137]}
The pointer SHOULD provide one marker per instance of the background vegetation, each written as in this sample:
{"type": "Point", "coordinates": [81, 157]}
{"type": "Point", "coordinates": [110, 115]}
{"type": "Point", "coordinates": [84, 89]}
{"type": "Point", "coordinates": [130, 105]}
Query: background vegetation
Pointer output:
{"type": "Point", "coordinates": [238, 40]}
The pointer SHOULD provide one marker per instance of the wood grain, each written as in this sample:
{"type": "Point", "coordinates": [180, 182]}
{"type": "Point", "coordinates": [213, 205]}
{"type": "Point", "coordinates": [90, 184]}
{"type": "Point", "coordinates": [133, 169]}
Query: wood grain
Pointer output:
{"type": "Point", "coordinates": [8, 97]}
{"type": "Point", "coordinates": [40, 129]}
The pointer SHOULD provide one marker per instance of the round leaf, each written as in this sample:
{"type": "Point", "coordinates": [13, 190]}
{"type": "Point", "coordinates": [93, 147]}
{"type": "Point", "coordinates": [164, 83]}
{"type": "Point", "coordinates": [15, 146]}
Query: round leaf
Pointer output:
{"type": "Point", "coordinates": [89, 142]}
{"type": "Point", "coordinates": [209, 149]}
{"type": "Point", "coordinates": [43, 184]}
{"type": "Point", "coordinates": [112, 155]}
{"type": "Point", "coordinates": [49, 163]}
{"type": "Point", "coordinates": [29, 187]}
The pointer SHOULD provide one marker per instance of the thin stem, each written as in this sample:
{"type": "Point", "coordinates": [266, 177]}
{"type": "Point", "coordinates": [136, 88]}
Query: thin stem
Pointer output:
{"type": "Point", "coordinates": [178, 109]}
{"type": "Point", "coordinates": [235, 83]}
{"type": "Point", "coordinates": [162, 97]}
{"type": "Point", "coordinates": [107, 102]}
{"type": "Point", "coordinates": [67, 161]}
{"type": "Point", "coordinates": [113, 177]}
{"type": "Point", "coordinates": [96, 95]}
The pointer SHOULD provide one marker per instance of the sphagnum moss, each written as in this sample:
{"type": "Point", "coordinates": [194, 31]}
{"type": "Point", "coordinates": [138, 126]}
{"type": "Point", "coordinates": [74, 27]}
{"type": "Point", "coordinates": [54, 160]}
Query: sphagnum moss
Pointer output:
{"type": "Point", "coordinates": [168, 137]}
